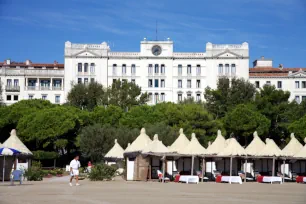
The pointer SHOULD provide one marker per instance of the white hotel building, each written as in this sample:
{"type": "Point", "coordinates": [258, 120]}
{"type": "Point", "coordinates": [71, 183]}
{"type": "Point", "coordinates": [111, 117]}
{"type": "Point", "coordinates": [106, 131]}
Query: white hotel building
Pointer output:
{"type": "Point", "coordinates": [164, 74]}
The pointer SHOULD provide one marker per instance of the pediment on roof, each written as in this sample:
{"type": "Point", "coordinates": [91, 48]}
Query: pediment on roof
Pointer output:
{"type": "Point", "coordinates": [300, 73]}
{"type": "Point", "coordinates": [227, 53]}
{"type": "Point", "coordinates": [85, 53]}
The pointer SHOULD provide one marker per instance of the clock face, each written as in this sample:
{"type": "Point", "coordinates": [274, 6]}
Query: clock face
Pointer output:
{"type": "Point", "coordinates": [156, 50]}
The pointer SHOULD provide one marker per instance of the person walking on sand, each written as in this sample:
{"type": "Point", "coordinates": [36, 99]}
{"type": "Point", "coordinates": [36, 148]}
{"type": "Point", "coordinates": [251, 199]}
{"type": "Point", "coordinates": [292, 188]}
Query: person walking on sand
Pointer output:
{"type": "Point", "coordinates": [74, 170]}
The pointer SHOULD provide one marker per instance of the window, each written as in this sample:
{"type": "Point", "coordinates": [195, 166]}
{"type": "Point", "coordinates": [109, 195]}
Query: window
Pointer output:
{"type": "Point", "coordinates": [297, 99]}
{"type": "Point", "coordinates": [233, 69]}
{"type": "Point", "coordinates": [114, 69]}
{"type": "Point", "coordinates": [189, 96]}
{"type": "Point", "coordinates": [257, 85]}
{"type": "Point", "coordinates": [9, 82]}
{"type": "Point", "coordinates": [179, 97]}
{"type": "Point", "coordinates": [124, 81]}
{"type": "Point", "coordinates": [86, 67]}
{"type": "Point", "coordinates": [156, 69]}
{"type": "Point", "coordinates": [133, 81]}
{"type": "Point", "coordinates": [79, 67]}
{"type": "Point", "coordinates": [162, 96]}
{"type": "Point", "coordinates": [114, 80]}
{"type": "Point", "coordinates": [57, 99]}
{"type": "Point", "coordinates": [16, 82]}
{"type": "Point", "coordinates": [156, 98]}
{"type": "Point", "coordinates": [156, 83]}
{"type": "Point", "coordinates": [123, 69]}
{"type": "Point", "coordinates": [198, 83]}
{"type": "Point", "coordinates": [92, 68]}
{"type": "Point", "coordinates": [188, 69]}
{"type": "Point", "coordinates": [150, 97]}
{"type": "Point", "coordinates": [150, 69]}
{"type": "Point", "coordinates": [162, 69]}
{"type": "Point", "coordinates": [188, 83]}
{"type": "Point", "coordinates": [179, 83]}
{"type": "Point", "coordinates": [227, 69]}
{"type": "Point", "coordinates": [92, 80]}
{"type": "Point", "coordinates": [303, 98]}
{"type": "Point", "coordinates": [297, 84]}
{"type": "Point", "coordinates": [279, 84]}
{"type": "Point", "coordinates": [85, 81]}
{"type": "Point", "coordinates": [8, 97]}
{"type": "Point", "coordinates": [44, 97]}
{"type": "Point", "coordinates": [268, 83]}
{"type": "Point", "coordinates": [198, 97]}
{"type": "Point", "coordinates": [150, 83]}
{"type": "Point", "coordinates": [133, 69]}
{"type": "Point", "coordinates": [30, 96]}
{"type": "Point", "coordinates": [162, 83]}
{"type": "Point", "coordinates": [15, 97]}
{"type": "Point", "coordinates": [180, 69]}
{"type": "Point", "coordinates": [303, 84]}
{"type": "Point", "coordinates": [220, 70]}
{"type": "Point", "coordinates": [79, 80]}
{"type": "Point", "coordinates": [198, 69]}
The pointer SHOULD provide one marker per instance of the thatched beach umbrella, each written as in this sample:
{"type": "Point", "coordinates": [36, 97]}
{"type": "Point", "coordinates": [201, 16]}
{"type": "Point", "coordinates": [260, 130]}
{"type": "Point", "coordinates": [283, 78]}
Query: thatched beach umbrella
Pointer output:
{"type": "Point", "coordinates": [116, 152]}
{"type": "Point", "coordinates": [194, 148]}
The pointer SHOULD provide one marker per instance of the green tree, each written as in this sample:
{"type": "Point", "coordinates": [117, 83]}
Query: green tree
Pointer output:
{"type": "Point", "coordinates": [125, 94]}
{"type": "Point", "coordinates": [165, 133]}
{"type": "Point", "coordinates": [244, 120]}
{"type": "Point", "coordinates": [87, 96]}
{"type": "Point", "coordinates": [299, 128]}
{"type": "Point", "coordinates": [107, 115]}
{"type": "Point", "coordinates": [228, 94]}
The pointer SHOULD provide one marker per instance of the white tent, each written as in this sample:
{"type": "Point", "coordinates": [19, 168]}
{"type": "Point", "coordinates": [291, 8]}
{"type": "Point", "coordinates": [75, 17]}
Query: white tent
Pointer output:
{"type": "Point", "coordinates": [217, 146]}
{"type": "Point", "coordinates": [116, 152]}
{"type": "Point", "coordinates": [302, 153]}
{"type": "Point", "coordinates": [14, 142]}
{"type": "Point", "coordinates": [155, 147]}
{"type": "Point", "coordinates": [139, 143]}
{"type": "Point", "coordinates": [255, 146]}
{"type": "Point", "coordinates": [293, 147]}
{"type": "Point", "coordinates": [180, 143]}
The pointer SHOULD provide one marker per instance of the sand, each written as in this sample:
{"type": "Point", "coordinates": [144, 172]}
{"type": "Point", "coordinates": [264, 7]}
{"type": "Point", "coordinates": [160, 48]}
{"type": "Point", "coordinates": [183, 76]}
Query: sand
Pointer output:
{"type": "Point", "coordinates": [57, 190]}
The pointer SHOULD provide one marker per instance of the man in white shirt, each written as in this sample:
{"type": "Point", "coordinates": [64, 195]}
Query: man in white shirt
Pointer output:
{"type": "Point", "coordinates": [74, 170]}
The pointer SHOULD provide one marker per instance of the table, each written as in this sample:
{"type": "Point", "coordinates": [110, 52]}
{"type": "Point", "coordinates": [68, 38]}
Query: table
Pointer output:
{"type": "Point", "coordinates": [189, 179]}
{"type": "Point", "coordinates": [301, 179]}
{"type": "Point", "coordinates": [269, 179]}
{"type": "Point", "coordinates": [229, 179]}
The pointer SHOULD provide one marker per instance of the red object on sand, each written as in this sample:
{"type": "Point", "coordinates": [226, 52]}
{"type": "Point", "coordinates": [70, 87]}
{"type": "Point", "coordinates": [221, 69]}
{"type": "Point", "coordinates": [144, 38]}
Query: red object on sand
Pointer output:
{"type": "Point", "coordinates": [299, 179]}
{"type": "Point", "coordinates": [218, 179]}
{"type": "Point", "coordinates": [177, 178]}
{"type": "Point", "coordinates": [259, 179]}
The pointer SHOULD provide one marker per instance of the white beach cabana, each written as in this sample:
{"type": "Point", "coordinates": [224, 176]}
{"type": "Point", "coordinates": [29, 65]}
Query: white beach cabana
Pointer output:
{"type": "Point", "coordinates": [115, 156]}
{"type": "Point", "coordinates": [271, 150]}
{"type": "Point", "coordinates": [194, 148]}
{"type": "Point", "coordinates": [301, 156]}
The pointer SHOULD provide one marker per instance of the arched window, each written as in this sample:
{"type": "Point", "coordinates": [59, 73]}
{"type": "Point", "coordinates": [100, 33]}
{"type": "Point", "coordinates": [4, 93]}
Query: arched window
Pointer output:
{"type": "Point", "coordinates": [92, 68]}
{"type": "Point", "coordinates": [220, 71]}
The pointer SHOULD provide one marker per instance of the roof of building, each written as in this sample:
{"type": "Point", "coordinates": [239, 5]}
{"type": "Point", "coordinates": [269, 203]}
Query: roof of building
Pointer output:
{"type": "Point", "coordinates": [194, 147]}
{"type": "Point", "coordinates": [293, 147]}
{"type": "Point", "coordinates": [30, 64]}
{"type": "Point", "coordinates": [302, 152]}
{"type": "Point", "coordinates": [115, 152]}
{"type": "Point", "coordinates": [256, 146]}
{"type": "Point", "coordinates": [156, 146]}
{"type": "Point", "coordinates": [217, 146]}
{"type": "Point", "coordinates": [233, 148]}
{"type": "Point", "coordinates": [140, 142]}
{"type": "Point", "coordinates": [180, 143]}
{"type": "Point", "coordinates": [270, 150]}
{"type": "Point", "coordinates": [273, 72]}
{"type": "Point", "coordinates": [14, 142]}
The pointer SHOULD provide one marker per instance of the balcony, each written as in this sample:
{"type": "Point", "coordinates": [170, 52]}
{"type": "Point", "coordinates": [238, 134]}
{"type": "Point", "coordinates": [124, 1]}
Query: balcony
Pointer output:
{"type": "Point", "coordinates": [12, 88]}
{"type": "Point", "coordinates": [44, 88]}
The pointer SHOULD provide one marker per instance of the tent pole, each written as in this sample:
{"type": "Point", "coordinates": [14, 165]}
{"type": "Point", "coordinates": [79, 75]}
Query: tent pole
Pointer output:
{"type": "Point", "coordinates": [203, 168]}
{"type": "Point", "coordinates": [231, 163]}
{"type": "Point", "coordinates": [245, 169]}
{"type": "Point", "coordinates": [273, 166]}
{"type": "Point", "coordinates": [192, 164]}
{"type": "Point", "coordinates": [3, 169]}
{"type": "Point", "coordinates": [164, 159]}
{"type": "Point", "coordinates": [284, 163]}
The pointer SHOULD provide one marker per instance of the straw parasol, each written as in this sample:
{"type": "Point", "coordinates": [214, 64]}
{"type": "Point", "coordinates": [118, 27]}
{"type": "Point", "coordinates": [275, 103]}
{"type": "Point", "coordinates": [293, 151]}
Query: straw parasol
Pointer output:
{"type": "Point", "coordinates": [194, 147]}
{"type": "Point", "coordinates": [139, 143]}
{"type": "Point", "coordinates": [180, 143]}
{"type": "Point", "coordinates": [255, 146]}
{"type": "Point", "coordinates": [155, 147]}
{"type": "Point", "coordinates": [233, 148]}
{"type": "Point", "coordinates": [116, 152]}
{"type": "Point", "coordinates": [302, 152]}
{"type": "Point", "coordinates": [217, 146]}
{"type": "Point", "coordinates": [14, 142]}
{"type": "Point", "coordinates": [293, 147]}
{"type": "Point", "coordinates": [270, 150]}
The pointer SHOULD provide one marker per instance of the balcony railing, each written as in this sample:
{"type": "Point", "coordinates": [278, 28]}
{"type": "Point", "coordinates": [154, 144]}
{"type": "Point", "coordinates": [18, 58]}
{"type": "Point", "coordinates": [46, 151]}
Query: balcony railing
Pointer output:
{"type": "Point", "coordinates": [12, 88]}
{"type": "Point", "coordinates": [44, 88]}
{"type": "Point", "coordinates": [33, 72]}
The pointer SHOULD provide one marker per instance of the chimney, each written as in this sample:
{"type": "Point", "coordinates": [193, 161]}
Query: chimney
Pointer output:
{"type": "Point", "coordinates": [28, 62]}
{"type": "Point", "coordinates": [8, 61]}
{"type": "Point", "coordinates": [262, 57]}
{"type": "Point", "coordinates": [55, 62]}
{"type": "Point", "coordinates": [280, 66]}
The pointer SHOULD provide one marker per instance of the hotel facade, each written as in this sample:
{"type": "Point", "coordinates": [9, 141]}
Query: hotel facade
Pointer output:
{"type": "Point", "coordinates": [164, 74]}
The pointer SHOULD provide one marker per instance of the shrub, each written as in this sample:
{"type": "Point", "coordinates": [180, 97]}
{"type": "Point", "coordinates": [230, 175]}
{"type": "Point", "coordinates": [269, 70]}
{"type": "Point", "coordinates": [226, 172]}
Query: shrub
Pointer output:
{"type": "Point", "coordinates": [34, 174]}
{"type": "Point", "coordinates": [59, 171]}
{"type": "Point", "coordinates": [102, 172]}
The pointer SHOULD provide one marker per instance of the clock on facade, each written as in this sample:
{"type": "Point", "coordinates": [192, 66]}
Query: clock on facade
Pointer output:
{"type": "Point", "coordinates": [156, 50]}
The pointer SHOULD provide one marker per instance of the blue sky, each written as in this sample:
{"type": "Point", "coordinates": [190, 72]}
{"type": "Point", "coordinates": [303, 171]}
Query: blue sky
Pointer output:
{"type": "Point", "coordinates": [38, 29]}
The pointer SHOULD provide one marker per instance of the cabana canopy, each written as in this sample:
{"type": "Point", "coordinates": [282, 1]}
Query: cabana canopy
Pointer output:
{"type": "Point", "coordinates": [155, 147]}
{"type": "Point", "coordinates": [293, 147]}
{"type": "Point", "coordinates": [139, 143]}
{"type": "Point", "coordinates": [217, 146]}
{"type": "Point", "coordinates": [116, 152]}
{"type": "Point", "coordinates": [180, 143]}
{"type": "Point", "coordinates": [194, 147]}
{"type": "Point", "coordinates": [233, 148]}
{"type": "Point", "coordinates": [14, 142]}
{"type": "Point", "coordinates": [1, 145]}
{"type": "Point", "coordinates": [256, 146]}
{"type": "Point", "coordinates": [270, 150]}
{"type": "Point", "coordinates": [302, 152]}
